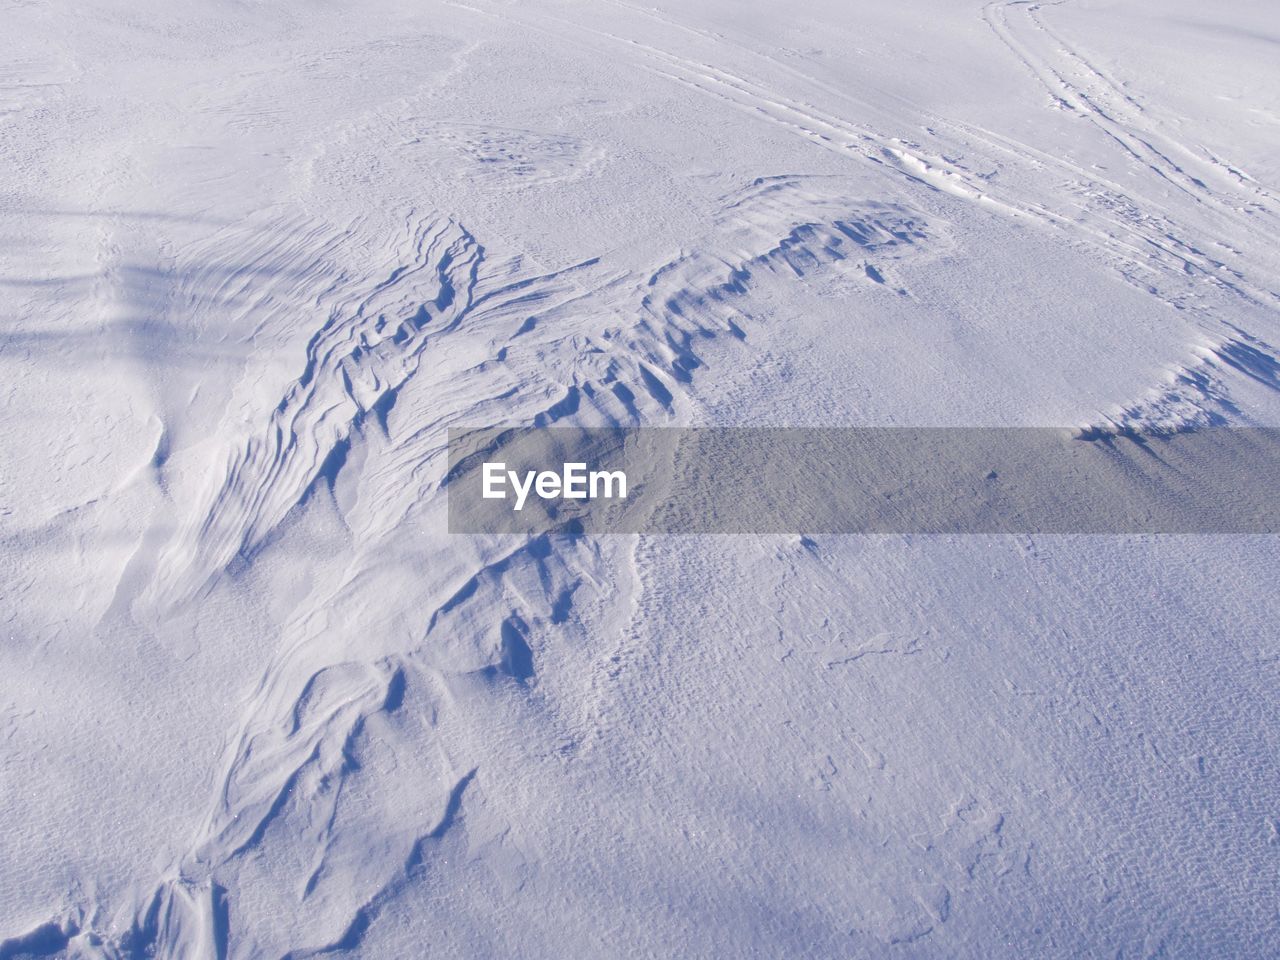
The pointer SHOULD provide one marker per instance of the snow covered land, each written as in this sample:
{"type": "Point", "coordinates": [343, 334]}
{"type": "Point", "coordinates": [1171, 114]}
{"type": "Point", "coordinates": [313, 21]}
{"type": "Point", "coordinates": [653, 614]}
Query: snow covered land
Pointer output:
{"type": "Point", "coordinates": [256, 260]}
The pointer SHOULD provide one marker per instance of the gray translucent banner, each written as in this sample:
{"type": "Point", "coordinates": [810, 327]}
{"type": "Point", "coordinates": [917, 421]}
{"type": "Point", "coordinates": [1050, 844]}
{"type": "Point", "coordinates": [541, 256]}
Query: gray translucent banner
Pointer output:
{"type": "Point", "coordinates": [863, 480]}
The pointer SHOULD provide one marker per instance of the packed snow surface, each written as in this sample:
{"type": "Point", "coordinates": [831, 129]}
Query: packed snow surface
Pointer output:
{"type": "Point", "coordinates": [257, 258]}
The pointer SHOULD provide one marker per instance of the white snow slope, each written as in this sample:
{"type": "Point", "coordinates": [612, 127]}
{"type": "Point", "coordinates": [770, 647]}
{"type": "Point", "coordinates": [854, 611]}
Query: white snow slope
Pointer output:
{"type": "Point", "coordinates": [256, 258]}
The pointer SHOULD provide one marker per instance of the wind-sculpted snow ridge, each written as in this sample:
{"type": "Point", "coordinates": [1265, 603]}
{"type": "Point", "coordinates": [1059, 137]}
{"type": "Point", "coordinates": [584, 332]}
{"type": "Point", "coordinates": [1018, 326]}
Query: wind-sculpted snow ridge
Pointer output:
{"type": "Point", "coordinates": [357, 689]}
{"type": "Point", "coordinates": [1207, 393]}
{"type": "Point", "coordinates": [368, 345]}
{"type": "Point", "coordinates": [778, 226]}
{"type": "Point", "coordinates": [339, 758]}
{"type": "Point", "coordinates": [375, 337]}
{"type": "Point", "coordinates": [372, 341]}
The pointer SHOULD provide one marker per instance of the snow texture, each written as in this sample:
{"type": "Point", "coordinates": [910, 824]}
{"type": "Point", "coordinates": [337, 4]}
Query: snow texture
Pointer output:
{"type": "Point", "coordinates": [257, 258]}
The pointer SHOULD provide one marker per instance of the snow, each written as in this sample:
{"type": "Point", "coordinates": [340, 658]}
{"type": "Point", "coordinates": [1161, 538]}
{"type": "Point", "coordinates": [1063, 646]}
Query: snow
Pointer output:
{"type": "Point", "coordinates": [257, 260]}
